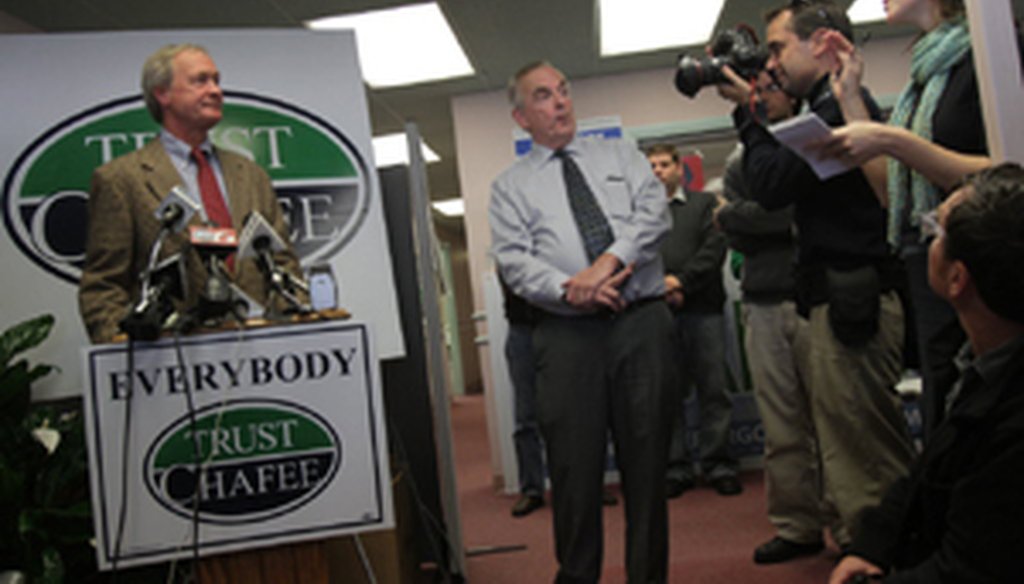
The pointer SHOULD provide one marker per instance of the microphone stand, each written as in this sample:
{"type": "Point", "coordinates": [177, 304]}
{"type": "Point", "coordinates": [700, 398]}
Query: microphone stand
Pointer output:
{"type": "Point", "coordinates": [280, 283]}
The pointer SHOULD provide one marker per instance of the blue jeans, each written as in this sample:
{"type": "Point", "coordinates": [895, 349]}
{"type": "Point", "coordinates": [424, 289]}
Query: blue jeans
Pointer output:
{"type": "Point", "coordinates": [523, 371]}
{"type": "Point", "coordinates": [701, 339]}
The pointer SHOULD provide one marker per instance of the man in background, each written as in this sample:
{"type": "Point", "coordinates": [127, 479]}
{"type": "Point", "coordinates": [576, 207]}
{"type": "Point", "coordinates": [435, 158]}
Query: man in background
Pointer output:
{"type": "Point", "coordinates": [958, 517]}
{"type": "Point", "coordinates": [575, 229]}
{"type": "Point", "coordinates": [850, 349]}
{"type": "Point", "coordinates": [767, 240]}
{"type": "Point", "coordinates": [693, 252]}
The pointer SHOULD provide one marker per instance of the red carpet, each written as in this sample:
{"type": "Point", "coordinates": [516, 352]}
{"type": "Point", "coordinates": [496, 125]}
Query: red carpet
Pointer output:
{"type": "Point", "coordinates": [712, 538]}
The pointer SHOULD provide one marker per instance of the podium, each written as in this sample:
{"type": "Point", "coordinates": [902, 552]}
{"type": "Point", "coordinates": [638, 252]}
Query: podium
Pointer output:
{"type": "Point", "coordinates": [287, 422]}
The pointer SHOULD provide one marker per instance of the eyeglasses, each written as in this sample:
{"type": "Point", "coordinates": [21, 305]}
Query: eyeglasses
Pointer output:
{"type": "Point", "coordinates": [930, 226]}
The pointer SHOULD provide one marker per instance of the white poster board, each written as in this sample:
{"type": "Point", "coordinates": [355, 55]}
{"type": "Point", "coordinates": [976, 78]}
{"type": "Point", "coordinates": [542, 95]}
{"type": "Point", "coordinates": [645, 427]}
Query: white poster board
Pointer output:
{"type": "Point", "coordinates": [287, 422]}
{"type": "Point", "coordinates": [294, 102]}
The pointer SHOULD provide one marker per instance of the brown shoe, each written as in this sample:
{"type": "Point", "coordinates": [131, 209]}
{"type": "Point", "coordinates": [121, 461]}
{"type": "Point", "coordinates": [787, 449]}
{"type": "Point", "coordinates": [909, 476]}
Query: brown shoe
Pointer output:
{"type": "Point", "coordinates": [527, 504]}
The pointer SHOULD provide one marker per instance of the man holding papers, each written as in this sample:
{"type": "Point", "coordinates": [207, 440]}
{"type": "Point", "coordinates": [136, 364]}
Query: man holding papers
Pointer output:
{"type": "Point", "coordinates": [850, 350]}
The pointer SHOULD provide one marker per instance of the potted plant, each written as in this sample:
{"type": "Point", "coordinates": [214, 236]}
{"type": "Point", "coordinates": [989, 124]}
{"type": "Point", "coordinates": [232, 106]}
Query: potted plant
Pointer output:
{"type": "Point", "coordinates": [45, 517]}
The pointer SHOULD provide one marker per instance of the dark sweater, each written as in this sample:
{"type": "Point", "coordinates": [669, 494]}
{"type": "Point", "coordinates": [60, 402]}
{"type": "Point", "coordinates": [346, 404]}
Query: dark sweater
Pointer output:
{"type": "Point", "coordinates": [765, 238]}
{"type": "Point", "coordinates": [693, 251]}
{"type": "Point", "coordinates": [840, 222]}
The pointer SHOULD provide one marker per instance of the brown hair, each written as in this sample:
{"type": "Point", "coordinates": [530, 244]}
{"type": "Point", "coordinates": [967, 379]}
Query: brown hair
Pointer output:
{"type": "Point", "coordinates": [664, 148]}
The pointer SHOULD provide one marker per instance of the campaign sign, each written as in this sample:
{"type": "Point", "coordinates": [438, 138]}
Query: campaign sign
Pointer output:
{"type": "Point", "coordinates": [247, 439]}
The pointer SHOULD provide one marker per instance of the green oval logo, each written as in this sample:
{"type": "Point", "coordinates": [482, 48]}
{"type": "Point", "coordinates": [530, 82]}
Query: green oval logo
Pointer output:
{"type": "Point", "coordinates": [259, 458]}
{"type": "Point", "coordinates": [319, 176]}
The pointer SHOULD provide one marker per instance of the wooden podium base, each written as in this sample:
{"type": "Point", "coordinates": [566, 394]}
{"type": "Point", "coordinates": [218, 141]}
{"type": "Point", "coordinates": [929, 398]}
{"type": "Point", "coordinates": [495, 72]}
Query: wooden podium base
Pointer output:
{"type": "Point", "coordinates": [390, 554]}
{"type": "Point", "coordinates": [300, 562]}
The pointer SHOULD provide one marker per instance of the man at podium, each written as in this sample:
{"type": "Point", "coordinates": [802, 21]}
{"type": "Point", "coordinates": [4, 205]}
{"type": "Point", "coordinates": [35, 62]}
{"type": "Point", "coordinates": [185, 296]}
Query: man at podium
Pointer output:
{"type": "Point", "coordinates": [181, 87]}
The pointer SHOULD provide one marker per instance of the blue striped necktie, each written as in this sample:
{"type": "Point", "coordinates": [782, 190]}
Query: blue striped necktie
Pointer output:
{"type": "Point", "coordinates": [590, 220]}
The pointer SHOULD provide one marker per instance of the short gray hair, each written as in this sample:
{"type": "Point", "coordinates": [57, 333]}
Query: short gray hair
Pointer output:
{"type": "Point", "coordinates": [158, 72]}
{"type": "Point", "coordinates": [513, 82]}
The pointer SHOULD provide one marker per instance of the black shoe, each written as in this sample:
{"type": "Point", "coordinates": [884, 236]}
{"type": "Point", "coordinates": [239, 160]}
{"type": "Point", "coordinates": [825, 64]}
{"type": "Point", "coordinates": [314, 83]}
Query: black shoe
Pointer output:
{"type": "Point", "coordinates": [778, 550]}
{"type": "Point", "coordinates": [727, 486]}
{"type": "Point", "coordinates": [676, 487]}
{"type": "Point", "coordinates": [527, 504]}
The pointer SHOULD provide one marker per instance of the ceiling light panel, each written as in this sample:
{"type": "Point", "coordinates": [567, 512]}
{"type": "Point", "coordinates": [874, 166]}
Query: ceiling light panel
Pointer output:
{"type": "Point", "coordinates": [393, 150]}
{"type": "Point", "coordinates": [636, 26]}
{"type": "Point", "coordinates": [450, 207]}
{"type": "Point", "coordinates": [866, 11]}
{"type": "Point", "coordinates": [402, 46]}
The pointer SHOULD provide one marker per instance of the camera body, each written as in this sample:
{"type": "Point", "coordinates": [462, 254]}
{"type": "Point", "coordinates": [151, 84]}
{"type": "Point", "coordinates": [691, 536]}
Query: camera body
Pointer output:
{"type": "Point", "coordinates": [738, 48]}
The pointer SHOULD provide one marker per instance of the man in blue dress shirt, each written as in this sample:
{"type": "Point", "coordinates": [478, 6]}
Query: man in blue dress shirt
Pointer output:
{"type": "Point", "coordinates": [575, 226]}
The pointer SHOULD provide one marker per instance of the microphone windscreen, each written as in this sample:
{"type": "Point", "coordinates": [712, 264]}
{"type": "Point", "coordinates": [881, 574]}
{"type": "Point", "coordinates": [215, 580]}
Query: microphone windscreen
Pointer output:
{"type": "Point", "coordinates": [258, 233]}
{"type": "Point", "coordinates": [174, 203]}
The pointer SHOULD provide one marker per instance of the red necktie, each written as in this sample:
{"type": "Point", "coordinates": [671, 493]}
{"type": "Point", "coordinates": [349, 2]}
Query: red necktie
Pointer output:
{"type": "Point", "coordinates": [216, 211]}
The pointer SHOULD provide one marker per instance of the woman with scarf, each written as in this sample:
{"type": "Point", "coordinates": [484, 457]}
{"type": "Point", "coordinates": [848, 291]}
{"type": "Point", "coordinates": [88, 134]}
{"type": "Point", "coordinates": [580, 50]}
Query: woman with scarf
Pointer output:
{"type": "Point", "coordinates": [934, 137]}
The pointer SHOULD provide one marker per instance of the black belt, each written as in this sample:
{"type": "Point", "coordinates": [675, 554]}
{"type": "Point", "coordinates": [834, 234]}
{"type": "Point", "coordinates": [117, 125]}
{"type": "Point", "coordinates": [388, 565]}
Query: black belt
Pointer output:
{"type": "Point", "coordinates": [607, 313]}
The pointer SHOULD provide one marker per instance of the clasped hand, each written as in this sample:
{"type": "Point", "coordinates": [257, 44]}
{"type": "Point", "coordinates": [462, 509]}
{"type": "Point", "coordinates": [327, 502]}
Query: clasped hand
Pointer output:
{"type": "Point", "coordinates": [598, 286]}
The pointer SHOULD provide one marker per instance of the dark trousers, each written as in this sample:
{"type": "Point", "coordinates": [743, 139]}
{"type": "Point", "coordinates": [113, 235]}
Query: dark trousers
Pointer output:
{"type": "Point", "coordinates": [529, 448]}
{"type": "Point", "coordinates": [596, 374]}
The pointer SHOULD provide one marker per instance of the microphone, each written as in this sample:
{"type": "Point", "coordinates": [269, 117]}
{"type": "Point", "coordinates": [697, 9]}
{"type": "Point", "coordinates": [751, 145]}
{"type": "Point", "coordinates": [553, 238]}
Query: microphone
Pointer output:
{"type": "Point", "coordinates": [176, 210]}
{"type": "Point", "coordinates": [260, 240]}
{"type": "Point", "coordinates": [214, 244]}
{"type": "Point", "coordinates": [173, 213]}
{"type": "Point", "coordinates": [146, 316]}
{"type": "Point", "coordinates": [149, 315]}
{"type": "Point", "coordinates": [209, 241]}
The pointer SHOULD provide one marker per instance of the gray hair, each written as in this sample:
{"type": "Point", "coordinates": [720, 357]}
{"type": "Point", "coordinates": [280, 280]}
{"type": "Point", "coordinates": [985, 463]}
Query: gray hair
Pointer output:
{"type": "Point", "coordinates": [513, 82]}
{"type": "Point", "coordinates": [158, 72]}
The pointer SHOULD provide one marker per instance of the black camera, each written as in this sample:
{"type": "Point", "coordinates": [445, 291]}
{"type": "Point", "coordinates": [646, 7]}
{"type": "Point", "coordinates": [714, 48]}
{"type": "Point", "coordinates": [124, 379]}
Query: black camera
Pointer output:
{"type": "Point", "coordinates": [738, 48]}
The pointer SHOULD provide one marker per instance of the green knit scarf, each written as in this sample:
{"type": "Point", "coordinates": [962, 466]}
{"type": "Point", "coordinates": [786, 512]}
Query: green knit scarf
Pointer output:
{"type": "Point", "coordinates": [933, 56]}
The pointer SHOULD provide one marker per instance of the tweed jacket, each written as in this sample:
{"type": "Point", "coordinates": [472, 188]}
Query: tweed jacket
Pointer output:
{"type": "Point", "coordinates": [124, 195]}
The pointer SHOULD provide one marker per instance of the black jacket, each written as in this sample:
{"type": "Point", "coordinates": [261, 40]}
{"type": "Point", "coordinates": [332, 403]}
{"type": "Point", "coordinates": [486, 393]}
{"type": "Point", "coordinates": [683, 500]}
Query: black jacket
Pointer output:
{"type": "Point", "coordinates": [959, 517]}
{"type": "Point", "coordinates": [765, 238]}
{"type": "Point", "coordinates": [693, 251]}
{"type": "Point", "coordinates": [839, 221]}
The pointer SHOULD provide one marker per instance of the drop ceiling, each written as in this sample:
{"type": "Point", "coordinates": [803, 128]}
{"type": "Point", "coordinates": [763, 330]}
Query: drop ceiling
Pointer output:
{"type": "Point", "coordinates": [497, 35]}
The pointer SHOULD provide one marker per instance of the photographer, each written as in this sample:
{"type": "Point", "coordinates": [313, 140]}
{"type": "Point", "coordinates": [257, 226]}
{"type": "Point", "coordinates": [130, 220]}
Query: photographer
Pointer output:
{"type": "Point", "coordinates": [849, 352]}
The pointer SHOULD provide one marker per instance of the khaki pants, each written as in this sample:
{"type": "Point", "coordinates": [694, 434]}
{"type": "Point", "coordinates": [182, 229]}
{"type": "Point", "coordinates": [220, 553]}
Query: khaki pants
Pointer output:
{"type": "Point", "coordinates": [862, 435]}
{"type": "Point", "coordinates": [792, 473]}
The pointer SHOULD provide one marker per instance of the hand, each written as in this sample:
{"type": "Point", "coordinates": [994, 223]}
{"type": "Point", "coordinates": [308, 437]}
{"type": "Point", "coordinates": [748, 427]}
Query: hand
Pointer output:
{"type": "Point", "coordinates": [720, 203]}
{"type": "Point", "coordinates": [581, 289]}
{"type": "Point", "coordinates": [608, 295]}
{"type": "Point", "coordinates": [674, 295]}
{"type": "Point", "coordinates": [736, 88]}
{"type": "Point", "coordinates": [855, 143]}
{"type": "Point", "coordinates": [851, 566]}
{"type": "Point", "coordinates": [672, 283]}
{"type": "Point", "coordinates": [847, 68]}
{"type": "Point", "coordinates": [675, 298]}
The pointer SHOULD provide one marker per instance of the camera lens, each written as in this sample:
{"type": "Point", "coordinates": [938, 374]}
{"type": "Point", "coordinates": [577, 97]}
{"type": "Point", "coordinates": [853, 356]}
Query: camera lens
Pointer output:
{"type": "Point", "coordinates": [737, 48]}
{"type": "Point", "coordinates": [693, 73]}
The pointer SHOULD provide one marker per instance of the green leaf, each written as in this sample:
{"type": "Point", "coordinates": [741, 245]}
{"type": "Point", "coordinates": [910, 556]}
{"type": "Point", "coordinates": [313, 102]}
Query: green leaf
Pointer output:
{"type": "Point", "coordinates": [15, 392]}
{"type": "Point", "coordinates": [24, 336]}
{"type": "Point", "coordinates": [53, 567]}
